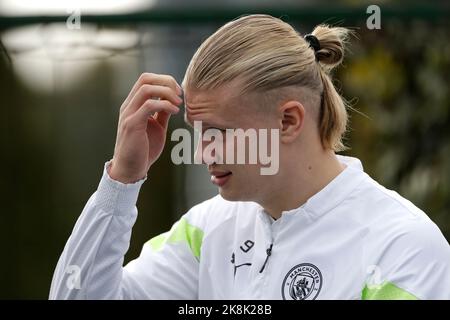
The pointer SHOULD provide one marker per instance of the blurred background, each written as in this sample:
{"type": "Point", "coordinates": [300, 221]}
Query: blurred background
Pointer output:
{"type": "Point", "coordinates": [63, 79]}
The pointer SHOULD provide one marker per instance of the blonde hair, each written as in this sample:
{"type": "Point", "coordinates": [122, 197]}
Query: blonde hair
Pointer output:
{"type": "Point", "coordinates": [264, 53]}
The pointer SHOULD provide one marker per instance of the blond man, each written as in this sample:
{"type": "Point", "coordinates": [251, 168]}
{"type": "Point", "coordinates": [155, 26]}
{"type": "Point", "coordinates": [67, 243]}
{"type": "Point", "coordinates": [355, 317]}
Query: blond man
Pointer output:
{"type": "Point", "coordinates": [319, 228]}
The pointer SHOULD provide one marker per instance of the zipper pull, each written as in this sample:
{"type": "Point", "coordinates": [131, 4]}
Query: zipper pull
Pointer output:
{"type": "Point", "coordinates": [268, 252]}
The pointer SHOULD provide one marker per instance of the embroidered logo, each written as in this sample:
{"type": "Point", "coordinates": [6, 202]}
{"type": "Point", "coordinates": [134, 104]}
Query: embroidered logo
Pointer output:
{"type": "Point", "coordinates": [302, 282]}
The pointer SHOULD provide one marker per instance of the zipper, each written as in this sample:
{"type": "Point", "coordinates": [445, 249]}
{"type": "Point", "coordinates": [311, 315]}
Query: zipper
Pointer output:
{"type": "Point", "coordinates": [268, 253]}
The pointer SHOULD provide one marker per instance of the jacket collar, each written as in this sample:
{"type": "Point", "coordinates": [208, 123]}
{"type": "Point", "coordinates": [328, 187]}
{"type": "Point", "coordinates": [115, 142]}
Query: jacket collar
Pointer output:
{"type": "Point", "coordinates": [332, 194]}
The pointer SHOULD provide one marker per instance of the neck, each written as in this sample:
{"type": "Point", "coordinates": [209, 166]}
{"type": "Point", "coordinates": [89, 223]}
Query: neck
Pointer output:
{"type": "Point", "coordinates": [304, 179]}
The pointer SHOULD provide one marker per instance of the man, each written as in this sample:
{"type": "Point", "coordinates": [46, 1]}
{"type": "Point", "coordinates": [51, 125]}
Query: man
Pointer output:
{"type": "Point", "coordinates": [319, 228]}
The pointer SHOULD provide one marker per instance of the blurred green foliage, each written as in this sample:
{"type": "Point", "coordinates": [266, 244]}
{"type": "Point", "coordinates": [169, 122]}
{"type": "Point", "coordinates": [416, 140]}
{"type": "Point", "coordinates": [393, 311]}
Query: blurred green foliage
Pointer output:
{"type": "Point", "coordinates": [400, 76]}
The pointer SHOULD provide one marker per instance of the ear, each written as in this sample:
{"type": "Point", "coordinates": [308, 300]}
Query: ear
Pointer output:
{"type": "Point", "coordinates": [291, 120]}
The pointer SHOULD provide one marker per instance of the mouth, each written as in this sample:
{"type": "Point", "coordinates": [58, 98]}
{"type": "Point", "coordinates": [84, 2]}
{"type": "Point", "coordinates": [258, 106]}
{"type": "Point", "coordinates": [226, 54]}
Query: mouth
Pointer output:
{"type": "Point", "coordinates": [220, 178]}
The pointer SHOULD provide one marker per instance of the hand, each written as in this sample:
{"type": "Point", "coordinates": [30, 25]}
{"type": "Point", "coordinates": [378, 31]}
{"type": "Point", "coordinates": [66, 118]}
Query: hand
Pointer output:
{"type": "Point", "coordinates": [142, 127]}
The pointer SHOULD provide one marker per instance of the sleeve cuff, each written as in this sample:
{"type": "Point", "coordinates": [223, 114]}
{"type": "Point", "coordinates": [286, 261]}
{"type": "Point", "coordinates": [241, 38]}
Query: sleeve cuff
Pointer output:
{"type": "Point", "coordinates": [117, 197]}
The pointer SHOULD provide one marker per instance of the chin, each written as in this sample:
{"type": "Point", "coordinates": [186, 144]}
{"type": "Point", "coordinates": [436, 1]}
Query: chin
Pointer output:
{"type": "Point", "coordinates": [235, 195]}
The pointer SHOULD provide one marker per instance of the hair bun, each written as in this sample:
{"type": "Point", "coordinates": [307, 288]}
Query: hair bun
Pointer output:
{"type": "Point", "coordinates": [332, 42]}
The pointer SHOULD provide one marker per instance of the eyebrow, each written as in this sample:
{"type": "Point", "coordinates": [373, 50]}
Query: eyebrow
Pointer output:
{"type": "Point", "coordinates": [204, 123]}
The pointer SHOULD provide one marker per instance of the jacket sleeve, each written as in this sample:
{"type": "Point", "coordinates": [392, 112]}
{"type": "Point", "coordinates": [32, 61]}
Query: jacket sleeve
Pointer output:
{"type": "Point", "coordinates": [415, 265]}
{"type": "Point", "coordinates": [91, 265]}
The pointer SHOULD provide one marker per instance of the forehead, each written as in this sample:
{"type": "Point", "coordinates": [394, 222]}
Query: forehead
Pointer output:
{"type": "Point", "coordinates": [218, 106]}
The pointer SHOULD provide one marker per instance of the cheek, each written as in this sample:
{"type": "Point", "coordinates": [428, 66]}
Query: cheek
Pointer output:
{"type": "Point", "coordinates": [237, 152]}
{"type": "Point", "coordinates": [228, 147]}
{"type": "Point", "coordinates": [248, 174]}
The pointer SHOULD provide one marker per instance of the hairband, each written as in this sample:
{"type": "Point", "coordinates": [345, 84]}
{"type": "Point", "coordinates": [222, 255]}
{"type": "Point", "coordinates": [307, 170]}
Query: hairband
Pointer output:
{"type": "Point", "coordinates": [313, 42]}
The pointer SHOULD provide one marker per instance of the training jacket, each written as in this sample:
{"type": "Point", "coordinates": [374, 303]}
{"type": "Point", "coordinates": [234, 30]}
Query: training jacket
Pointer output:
{"type": "Point", "coordinates": [354, 239]}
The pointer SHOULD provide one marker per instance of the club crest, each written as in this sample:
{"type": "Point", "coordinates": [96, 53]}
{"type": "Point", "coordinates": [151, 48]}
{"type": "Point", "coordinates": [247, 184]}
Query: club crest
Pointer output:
{"type": "Point", "coordinates": [302, 282]}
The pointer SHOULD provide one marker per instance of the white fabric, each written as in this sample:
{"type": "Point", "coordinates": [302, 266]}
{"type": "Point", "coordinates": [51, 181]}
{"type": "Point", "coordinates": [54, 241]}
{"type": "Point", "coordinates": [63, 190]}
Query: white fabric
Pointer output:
{"type": "Point", "coordinates": [351, 234]}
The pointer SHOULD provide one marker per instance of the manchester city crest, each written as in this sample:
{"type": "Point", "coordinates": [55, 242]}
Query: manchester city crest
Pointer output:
{"type": "Point", "coordinates": [302, 282]}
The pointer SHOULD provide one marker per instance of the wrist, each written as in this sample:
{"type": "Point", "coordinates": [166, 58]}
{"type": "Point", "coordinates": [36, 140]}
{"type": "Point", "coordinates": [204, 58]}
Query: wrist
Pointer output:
{"type": "Point", "coordinates": [118, 175]}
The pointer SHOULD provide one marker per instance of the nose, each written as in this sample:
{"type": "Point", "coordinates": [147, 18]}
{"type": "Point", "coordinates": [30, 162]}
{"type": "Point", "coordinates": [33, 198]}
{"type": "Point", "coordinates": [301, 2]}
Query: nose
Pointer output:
{"type": "Point", "coordinates": [200, 156]}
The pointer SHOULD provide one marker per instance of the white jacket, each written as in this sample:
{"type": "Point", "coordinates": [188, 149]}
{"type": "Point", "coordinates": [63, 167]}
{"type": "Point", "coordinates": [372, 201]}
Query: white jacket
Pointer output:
{"type": "Point", "coordinates": [352, 240]}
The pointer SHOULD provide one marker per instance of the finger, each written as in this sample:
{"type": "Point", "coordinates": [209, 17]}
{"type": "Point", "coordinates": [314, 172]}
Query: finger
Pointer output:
{"type": "Point", "coordinates": [147, 92]}
{"type": "Point", "coordinates": [152, 78]}
{"type": "Point", "coordinates": [162, 118]}
{"type": "Point", "coordinates": [150, 107]}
